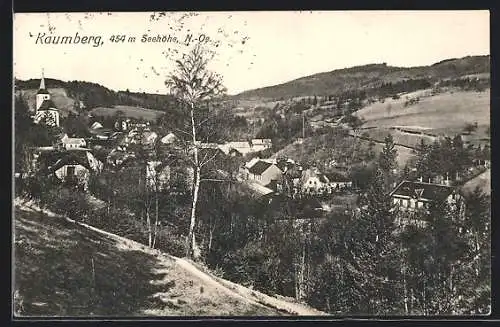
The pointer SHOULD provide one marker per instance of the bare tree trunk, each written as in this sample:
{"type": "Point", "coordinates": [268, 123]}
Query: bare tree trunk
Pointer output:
{"type": "Point", "coordinates": [148, 220]}
{"type": "Point", "coordinates": [405, 291]}
{"type": "Point", "coordinates": [191, 237]}
{"type": "Point", "coordinates": [156, 219]}
{"type": "Point", "coordinates": [196, 186]}
{"type": "Point", "coordinates": [302, 271]}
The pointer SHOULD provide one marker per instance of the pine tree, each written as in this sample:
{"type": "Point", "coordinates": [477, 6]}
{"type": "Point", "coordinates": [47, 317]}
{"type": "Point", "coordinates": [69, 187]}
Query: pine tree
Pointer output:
{"type": "Point", "coordinates": [387, 163]}
{"type": "Point", "coordinates": [375, 249]}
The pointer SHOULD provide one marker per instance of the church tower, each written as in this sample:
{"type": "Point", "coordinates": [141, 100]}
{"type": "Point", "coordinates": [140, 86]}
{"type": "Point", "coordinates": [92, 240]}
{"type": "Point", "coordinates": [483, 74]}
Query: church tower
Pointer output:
{"type": "Point", "coordinates": [45, 109]}
{"type": "Point", "coordinates": [42, 93]}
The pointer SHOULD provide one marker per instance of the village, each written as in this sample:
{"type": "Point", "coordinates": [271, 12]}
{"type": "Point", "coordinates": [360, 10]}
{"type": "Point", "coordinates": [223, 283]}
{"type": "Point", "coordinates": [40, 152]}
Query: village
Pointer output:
{"type": "Point", "coordinates": [73, 159]}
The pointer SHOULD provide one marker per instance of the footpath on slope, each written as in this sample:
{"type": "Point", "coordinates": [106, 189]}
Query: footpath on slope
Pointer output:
{"type": "Point", "coordinates": [208, 295]}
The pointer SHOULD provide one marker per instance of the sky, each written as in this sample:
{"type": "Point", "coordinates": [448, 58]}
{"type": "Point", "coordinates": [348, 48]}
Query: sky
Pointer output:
{"type": "Point", "coordinates": [253, 49]}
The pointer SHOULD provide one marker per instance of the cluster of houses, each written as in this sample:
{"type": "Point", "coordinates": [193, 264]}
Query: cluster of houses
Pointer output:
{"type": "Point", "coordinates": [272, 175]}
{"type": "Point", "coordinates": [240, 148]}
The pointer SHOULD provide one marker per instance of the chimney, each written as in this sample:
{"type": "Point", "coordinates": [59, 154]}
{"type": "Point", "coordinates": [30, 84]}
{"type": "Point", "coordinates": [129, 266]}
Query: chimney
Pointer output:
{"type": "Point", "coordinates": [420, 179]}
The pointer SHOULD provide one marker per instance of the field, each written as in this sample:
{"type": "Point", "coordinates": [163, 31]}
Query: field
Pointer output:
{"type": "Point", "coordinates": [67, 269]}
{"type": "Point", "coordinates": [446, 112]}
{"type": "Point", "coordinates": [400, 138]}
{"type": "Point", "coordinates": [129, 111]}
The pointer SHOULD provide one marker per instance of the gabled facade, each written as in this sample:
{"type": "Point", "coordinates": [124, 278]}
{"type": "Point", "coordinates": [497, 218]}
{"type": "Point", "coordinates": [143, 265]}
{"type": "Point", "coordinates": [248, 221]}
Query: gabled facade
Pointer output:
{"type": "Point", "coordinates": [264, 172]}
{"type": "Point", "coordinates": [411, 196]}
{"type": "Point", "coordinates": [73, 142]}
{"type": "Point", "coordinates": [73, 167]}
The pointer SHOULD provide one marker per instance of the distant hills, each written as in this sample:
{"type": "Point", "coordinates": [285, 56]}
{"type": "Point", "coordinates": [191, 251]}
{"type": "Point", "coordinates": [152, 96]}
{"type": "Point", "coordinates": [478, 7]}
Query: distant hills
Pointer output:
{"type": "Point", "coordinates": [92, 95]}
{"type": "Point", "coordinates": [368, 76]}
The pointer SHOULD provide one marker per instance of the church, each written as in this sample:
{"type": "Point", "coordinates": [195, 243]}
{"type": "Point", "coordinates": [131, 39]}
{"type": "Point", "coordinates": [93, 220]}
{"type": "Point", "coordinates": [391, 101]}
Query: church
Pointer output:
{"type": "Point", "coordinates": [45, 109]}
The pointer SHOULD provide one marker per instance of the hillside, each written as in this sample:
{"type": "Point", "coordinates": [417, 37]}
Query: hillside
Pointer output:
{"type": "Point", "coordinates": [368, 76]}
{"type": "Point", "coordinates": [450, 110]}
{"type": "Point", "coordinates": [59, 95]}
{"type": "Point", "coordinates": [433, 115]}
{"type": "Point", "coordinates": [92, 95]}
{"type": "Point", "coordinates": [68, 269]}
{"type": "Point", "coordinates": [128, 111]}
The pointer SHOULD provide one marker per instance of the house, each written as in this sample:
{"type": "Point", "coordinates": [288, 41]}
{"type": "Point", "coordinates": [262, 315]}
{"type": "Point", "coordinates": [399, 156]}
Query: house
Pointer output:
{"type": "Point", "coordinates": [73, 142]}
{"type": "Point", "coordinates": [157, 174]}
{"type": "Point", "coordinates": [242, 148]}
{"type": "Point", "coordinates": [414, 195]}
{"type": "Point", "coordinates": [96, 125]}
{"type": "Point", "coordinates": [264, 172]}
{"type": "Point", "coordinates": [170, 138]}
{"type": "Point", "coordinates": [73, 167]}
{"type": "Point", "coordinates": [260, 144]}
{"type": "Point", "coordinates": [141, 136]}
{"type": "Point", "coordinates": [313, 181]}
{"type": "Point", "coordinates": [118, 156]}
{"type": "Point", "coordinates": [338, 181]}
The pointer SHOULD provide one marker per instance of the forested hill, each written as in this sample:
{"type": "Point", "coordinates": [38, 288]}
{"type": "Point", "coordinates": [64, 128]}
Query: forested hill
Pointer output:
{"type": "Point", "coordinates": [369, 76]}
{"type": "Point", "coordinates": [95, 95]}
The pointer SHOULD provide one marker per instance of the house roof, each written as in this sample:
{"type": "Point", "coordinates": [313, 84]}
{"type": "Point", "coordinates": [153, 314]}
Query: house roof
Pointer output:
{"type": "Point", "coordinates": [47, 104]}
{"type": "Point", "coordinates": [60, 159]}
{"type": "Point", "coordinates": [73, 140]}
{"type": "Point", "coordinates": [96, 125]}
{"type": "Point", "coordinates": [336, 177]}
{"type": "Point", "coordinates": [259, 189]}
{"type": "Point", "coordinates": [421, 190]}
{"type": "Point", "coordinates": [169, 138]}
{"type": "Point", "coordinates": [259, 167]}
{"type": "Point", "coordinates": [252, 162]}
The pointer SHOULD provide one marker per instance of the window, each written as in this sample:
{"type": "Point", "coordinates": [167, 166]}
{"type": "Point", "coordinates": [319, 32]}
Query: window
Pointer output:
{"type": "Point", "coordinates": [405, 203]}
{"type": "Point", "coordinates": [420, 204]}
{"type": "Point", "coordinates": [70, 171]}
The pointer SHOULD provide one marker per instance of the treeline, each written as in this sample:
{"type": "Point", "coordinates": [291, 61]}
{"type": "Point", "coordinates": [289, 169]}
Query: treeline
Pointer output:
{"type": "Point", "coordinates": [95, 95]}
{"type": "Point", "coordinates": [467, 84]}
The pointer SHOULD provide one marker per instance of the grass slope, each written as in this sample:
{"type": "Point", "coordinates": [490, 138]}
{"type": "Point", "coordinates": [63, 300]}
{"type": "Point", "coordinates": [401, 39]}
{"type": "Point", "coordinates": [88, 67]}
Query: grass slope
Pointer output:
{"type": "Point", "coordinates": [66, 269]}
{"type": "Point", "coordinates": [129, 111]}
{"type": "Point", "coordinates": [446, 112]}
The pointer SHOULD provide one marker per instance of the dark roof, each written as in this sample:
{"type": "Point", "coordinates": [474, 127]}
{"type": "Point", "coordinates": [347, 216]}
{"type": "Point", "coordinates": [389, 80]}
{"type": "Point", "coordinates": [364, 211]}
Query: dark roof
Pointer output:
{"type": "Point", "coordinates": [421, 190]}
{"type": "Point", "coordinates": [47, 104]}
{"type": "Point", "coordinates": [42, 91]}
{"type": "Point", "coordinates": [259, 167]}
{"type": "Point", "coordinates": [336, 177]}
{"type": "Point", "coordinates": [56, 160]}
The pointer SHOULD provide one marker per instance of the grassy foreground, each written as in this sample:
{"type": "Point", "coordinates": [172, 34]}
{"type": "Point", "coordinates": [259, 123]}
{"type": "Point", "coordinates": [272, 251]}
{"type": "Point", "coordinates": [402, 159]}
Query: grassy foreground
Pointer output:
{"type": "Point", "coordinates": [64, 269]}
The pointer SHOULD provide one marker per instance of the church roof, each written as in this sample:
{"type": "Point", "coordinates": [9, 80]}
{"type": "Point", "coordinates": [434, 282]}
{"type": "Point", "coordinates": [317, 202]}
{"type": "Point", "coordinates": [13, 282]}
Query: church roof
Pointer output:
{"type": "Point", "coordinates": [42, 91]}
{"type": "Point", "coordinates": [47, 104]}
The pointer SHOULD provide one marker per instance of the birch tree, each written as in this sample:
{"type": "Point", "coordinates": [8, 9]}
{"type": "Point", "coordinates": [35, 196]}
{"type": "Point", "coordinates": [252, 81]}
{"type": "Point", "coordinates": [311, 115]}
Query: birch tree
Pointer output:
{"type": "Point", "coordinates": [193, 85]}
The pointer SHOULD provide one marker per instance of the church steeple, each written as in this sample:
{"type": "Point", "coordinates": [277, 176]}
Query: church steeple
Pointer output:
{"type": "Point", "coordinates": [42, 82]}
{"type": "Point", "coordinates": [42, 89]}
{"type": "Point", "coordinates": [42, 94]}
